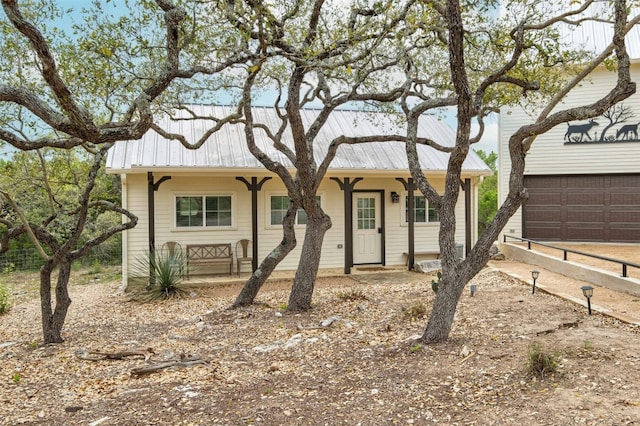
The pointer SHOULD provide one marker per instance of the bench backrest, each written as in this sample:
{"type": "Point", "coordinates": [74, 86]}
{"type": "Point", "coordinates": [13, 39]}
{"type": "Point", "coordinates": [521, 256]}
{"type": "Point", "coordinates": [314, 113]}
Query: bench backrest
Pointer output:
{"type": "Point", "coordinates": [209, 251]}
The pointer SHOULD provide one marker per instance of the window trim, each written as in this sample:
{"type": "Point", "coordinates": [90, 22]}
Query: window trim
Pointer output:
{"type": "Point", "coordinates": [268, 195]}
{"type": "Point", "coordinates": [403, 214]}
{"type": "Point", "coordinates": [203, 227]}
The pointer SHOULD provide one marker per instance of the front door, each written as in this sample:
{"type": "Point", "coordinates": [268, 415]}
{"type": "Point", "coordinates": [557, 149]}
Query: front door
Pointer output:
{"type": "Point", "coordinates": [367, 228]}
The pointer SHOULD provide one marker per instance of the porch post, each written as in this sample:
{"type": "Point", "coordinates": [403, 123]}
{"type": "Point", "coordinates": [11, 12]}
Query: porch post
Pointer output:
{"type": "Point", "coordinates": [254, 187]}
{"type": "Point", "coordinates": [347, 188]}
{"type": "Point", "coordinates": [151, 213]}
{"type": "Point", "coordinates": [467, 216]}
{"type": "Point", "coordinates": [409, 186]}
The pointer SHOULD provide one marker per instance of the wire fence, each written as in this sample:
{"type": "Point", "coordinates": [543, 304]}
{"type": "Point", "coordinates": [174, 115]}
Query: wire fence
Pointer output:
{"type": "Point", "coordinates": [30, 260]}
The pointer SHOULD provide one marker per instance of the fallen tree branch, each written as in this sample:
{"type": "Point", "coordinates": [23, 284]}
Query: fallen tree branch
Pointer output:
{"type": "Point", "coordinates": [186, 362]}
{"type": "Point", "coordinates": [99, 355]}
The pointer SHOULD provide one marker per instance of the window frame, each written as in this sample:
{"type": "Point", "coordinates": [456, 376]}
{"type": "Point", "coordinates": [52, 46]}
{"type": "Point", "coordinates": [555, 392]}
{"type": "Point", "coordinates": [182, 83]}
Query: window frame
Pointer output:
{"type": "Point", "coordinates": [203, 197]}
{"type": "Point", "coordinates": [404, 215]}
{"type": "Point", "coordinates": [269, 195]}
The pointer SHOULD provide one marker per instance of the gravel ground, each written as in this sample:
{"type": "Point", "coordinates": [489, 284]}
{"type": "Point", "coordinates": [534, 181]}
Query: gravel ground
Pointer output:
{"type": "Point", "coordinates": [351, 360]}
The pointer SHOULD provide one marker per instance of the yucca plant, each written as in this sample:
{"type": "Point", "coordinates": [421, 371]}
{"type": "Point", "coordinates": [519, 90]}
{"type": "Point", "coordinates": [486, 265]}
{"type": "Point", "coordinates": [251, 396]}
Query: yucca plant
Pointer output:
{"type": "Point", "coordinates": [168, 268]}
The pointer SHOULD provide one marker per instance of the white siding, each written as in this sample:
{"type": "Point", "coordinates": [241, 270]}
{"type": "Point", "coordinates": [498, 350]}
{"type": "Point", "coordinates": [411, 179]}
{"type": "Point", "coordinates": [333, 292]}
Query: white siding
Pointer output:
{"type": "Point", "coordinates": [136, 241]}
{"type": "Point", "coordinates": [550, 156]}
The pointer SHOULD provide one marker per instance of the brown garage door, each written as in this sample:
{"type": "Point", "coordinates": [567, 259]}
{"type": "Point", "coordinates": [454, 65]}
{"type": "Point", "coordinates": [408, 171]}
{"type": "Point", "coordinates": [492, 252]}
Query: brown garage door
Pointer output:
{"type": "Point", "coordinates": [583, 208]}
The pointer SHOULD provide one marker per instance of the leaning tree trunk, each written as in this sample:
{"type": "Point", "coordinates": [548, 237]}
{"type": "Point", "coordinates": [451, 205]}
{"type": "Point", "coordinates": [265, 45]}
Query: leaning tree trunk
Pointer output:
{"type": "Point", "coordinates": [305, 278]}
{"type": "Point", "coordinates": [260, 275]}
{"type": "Point", "coordinates": [53, 319]}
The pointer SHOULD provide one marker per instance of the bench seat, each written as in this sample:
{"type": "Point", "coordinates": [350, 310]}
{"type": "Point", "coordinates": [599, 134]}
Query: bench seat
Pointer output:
{"type": "Point", "coordinates": [422, 253]}
{"type": "Point", "coordinates": [208, 255]}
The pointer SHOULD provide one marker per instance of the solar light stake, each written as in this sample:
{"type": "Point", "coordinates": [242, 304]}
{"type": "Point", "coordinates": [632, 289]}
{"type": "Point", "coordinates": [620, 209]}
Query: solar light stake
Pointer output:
{"type": "Point", "coordinates": [587, 290]}
{"type": "Point", "coordinates": [534, 275]}
{"type": "Point", "coordinates": [472, 289]}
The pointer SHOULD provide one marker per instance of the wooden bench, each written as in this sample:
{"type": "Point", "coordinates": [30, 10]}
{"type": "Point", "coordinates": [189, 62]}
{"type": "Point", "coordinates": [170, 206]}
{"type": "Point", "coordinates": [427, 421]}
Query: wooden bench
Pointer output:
{"type": "Point", "coordinates": [209, 254]}
{"type": "Point", "coordinates": [435, 253]}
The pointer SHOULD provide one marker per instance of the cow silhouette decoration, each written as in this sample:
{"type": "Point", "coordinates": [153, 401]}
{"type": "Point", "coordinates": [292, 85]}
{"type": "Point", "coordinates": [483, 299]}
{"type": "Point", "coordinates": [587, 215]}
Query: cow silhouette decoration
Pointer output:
{"type": "Point", "coordinates": [581, 130]}
{"type": "Point", "coordinates": [581, 133]}
{"type": "Point", "coordinates": [627, 131]}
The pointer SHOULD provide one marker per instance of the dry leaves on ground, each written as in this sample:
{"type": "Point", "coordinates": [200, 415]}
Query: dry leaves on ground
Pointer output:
{"type": "Point", "coordinates": [351, 360]}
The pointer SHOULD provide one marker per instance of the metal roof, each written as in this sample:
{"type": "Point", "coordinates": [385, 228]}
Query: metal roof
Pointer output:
{"type": "Point", "coordinates": [227, 148]}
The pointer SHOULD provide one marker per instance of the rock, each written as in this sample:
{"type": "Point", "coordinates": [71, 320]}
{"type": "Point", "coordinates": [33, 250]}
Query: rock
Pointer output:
{"type": "Point", "coordinates": [465, 351]}
{"type": "Point", "coordinates": [327, 322]}
{"type": "Point", "coordinates": [7, 344]}
{"type": "Point", "coordinates": [428, 265]}
{"type": "Point", "coordinates": [498, 256]}
{"type": "Point", "coordinates": [278, 314]}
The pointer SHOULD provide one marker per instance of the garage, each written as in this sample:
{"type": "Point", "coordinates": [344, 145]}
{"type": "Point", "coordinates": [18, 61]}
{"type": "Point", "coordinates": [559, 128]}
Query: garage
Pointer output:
{"type": "Point", "coordinates": [598, 208]}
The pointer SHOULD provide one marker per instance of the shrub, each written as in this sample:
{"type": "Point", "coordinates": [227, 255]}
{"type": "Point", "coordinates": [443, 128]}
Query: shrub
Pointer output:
{"type": "Point", "coordinates": [415, 311]}
{"type": "Point", "coordinates": [5, 303]}
{"type": "Point", "coordinates": [352, 295]}
{"type": "Point", "coordinates": [541, 362]}
{"type": "Point", "coordinates": [168, 268]}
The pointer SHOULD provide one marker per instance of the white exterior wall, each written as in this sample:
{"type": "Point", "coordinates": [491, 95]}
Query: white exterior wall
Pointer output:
{"type": "Point", "coordinates": [135, 241]}
{"type": "Point", "coordinates": [550, 156]}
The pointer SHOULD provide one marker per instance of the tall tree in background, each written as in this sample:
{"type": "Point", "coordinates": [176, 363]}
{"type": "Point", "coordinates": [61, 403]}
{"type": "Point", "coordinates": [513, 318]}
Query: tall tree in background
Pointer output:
{"type": "Point", "coordinates": [85, 88]}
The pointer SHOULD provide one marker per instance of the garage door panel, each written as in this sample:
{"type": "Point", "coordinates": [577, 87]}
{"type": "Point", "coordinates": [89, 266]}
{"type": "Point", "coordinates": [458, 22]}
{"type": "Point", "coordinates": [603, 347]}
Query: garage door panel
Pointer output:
{"type": "Point", "coordinates": [585, 199]}
{"type": "Point", "coordinates": [588, 216]}
{"type": "Point", "coordinates": [624, 216]}
{"type": "Point", "coordinates": [585, 181]}
{"type": "Point", "coordinates": [626, 198]}
{"type": "Point", "coordinates": [545, 215]}
{"type": "Point", "coordinates": [625, 234]}
{"type": "Point", "coordinates": [547, 233]}
{"type": "Point", "coordinates": [580, 233]}
{"type": "Point", "coordinates": [583, 208]}
{"type": "Point", "coordinates": [548, 182]}
{"type": "Point", "coordinates": [544, 198]}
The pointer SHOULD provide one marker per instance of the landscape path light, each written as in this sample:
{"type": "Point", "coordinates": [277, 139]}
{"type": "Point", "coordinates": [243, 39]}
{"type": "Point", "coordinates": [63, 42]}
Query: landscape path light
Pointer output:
{"type": "Point", "coordinates": [587, 290]}
{"type": "Point", "coordinates": [472, 289]}
{"type": "Point", "coordinates": [534, 275]}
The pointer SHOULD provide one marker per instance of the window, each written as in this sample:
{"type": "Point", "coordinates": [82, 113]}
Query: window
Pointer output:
{"type": "Point", "coordinates": [209, 211]}
{"type": "Point", "coordinates": [422, 212]}
{"type": "Point", "coordinates": [279, 207]}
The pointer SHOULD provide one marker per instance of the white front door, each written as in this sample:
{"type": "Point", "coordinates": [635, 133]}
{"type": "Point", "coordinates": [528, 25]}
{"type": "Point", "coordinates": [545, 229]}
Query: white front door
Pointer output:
{"type": "Point", "coordinates": [367, 235]}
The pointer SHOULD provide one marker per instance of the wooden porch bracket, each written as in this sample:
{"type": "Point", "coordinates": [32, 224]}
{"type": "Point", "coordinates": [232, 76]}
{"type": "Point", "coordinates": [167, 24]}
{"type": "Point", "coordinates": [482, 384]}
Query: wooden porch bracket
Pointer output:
{"type": "Point", "coordinates": [152, 187]}
{"type": "Point", "coordinates": [347, 187]}
{"type": "Point", "coordinates": [410, 186]}
{"type": "Point", "coordinates": [254, 186]}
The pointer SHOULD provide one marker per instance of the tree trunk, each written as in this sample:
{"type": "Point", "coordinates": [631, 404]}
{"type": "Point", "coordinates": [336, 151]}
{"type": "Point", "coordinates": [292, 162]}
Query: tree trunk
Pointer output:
{"type": "Point", "coordinates": [444, 309]}
{"type": "Point", "coordinates": [305, 278]}
{"type": "Point", "coordinates": [260, 276]}
{"type": "Point", "coordinates": [53, 319]}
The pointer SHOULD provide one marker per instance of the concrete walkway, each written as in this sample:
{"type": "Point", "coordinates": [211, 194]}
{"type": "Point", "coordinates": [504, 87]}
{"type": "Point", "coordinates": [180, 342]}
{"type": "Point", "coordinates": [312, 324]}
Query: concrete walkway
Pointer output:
{"type": "Point", "coordinates": [621, 306]}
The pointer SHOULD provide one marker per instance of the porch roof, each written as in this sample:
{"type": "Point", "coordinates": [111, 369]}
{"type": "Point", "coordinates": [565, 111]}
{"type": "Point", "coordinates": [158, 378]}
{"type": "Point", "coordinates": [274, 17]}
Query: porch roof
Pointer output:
{"type": "Point", "coordinates": [227, 148]}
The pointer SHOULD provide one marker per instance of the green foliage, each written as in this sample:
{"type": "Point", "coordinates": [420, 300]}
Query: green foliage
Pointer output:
{"type": "Point", "coordinates": [16, 378]}
{"type": "Point", "coordinates": [415, 348]}
{"type": "Point", "coordinates": [541, 361]}
{"type": "Point", "coordinates": [435, 284]}
{"type": "Point", "coordinates": [47, 185]}
{"type": "Point", "coordinates": [168, 268]}
{"type": "Point", "coordinates": [5, 301]}
{"type": "Point", "coordinates": [352, 295]}
{"type": "Point", "coordinates": [487, 192]}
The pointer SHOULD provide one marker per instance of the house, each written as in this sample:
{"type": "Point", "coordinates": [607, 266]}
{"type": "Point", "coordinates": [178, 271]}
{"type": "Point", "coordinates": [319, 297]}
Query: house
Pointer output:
{"type": "Point", "coordinates": [220, 193]}
{"type": "Point", "coordinates": [583, 178]}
